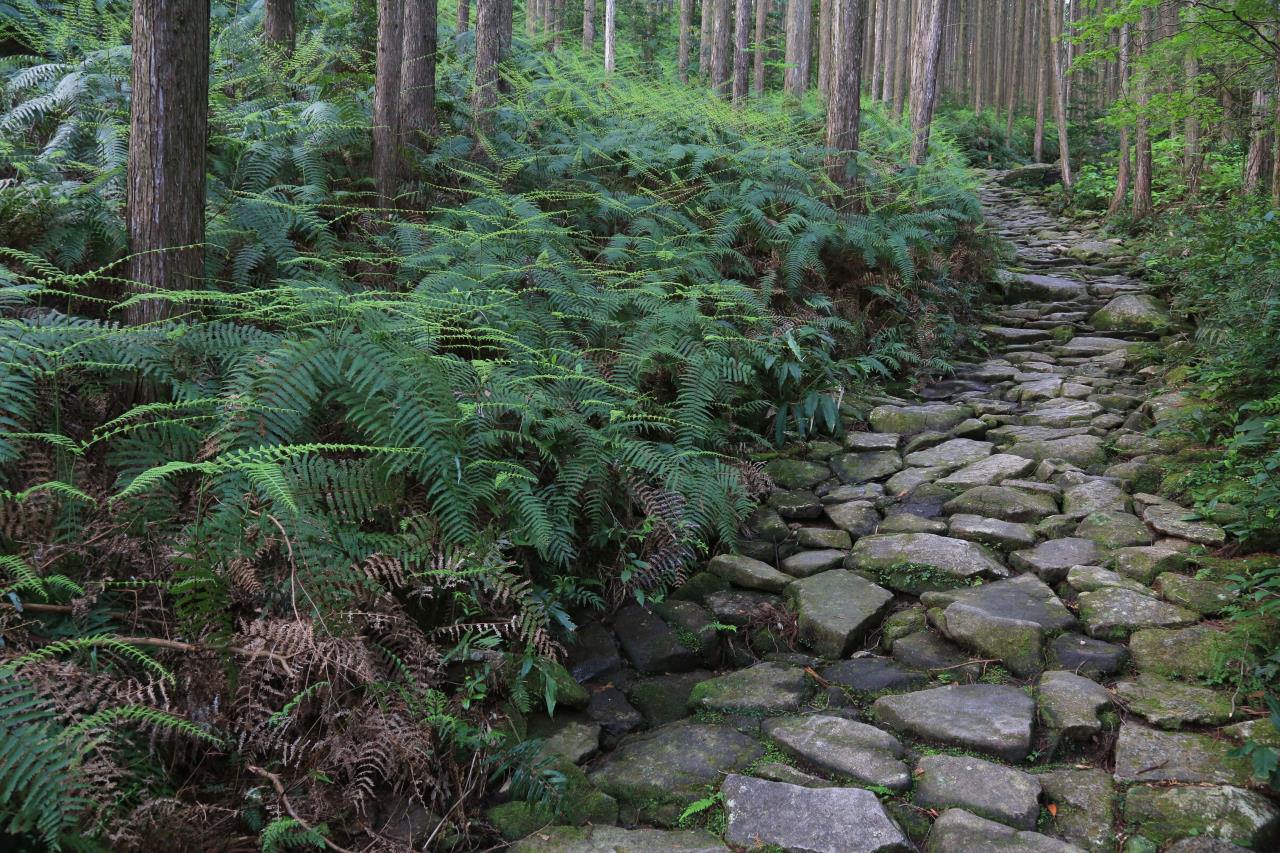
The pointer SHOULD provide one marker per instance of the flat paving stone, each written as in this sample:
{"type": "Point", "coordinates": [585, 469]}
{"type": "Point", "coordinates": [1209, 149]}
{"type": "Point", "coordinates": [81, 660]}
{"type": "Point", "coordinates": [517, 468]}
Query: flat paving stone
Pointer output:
{"type": "Point", "coordinates": [797, 818]}
{"type": "Point", "coordinates": [959, 831]}
{"type": "Point", "coordinates": [863, 753]}
{"type": "Point", "coordinates": [1114, 614]}
{"type": "Point", "coordinates": [988, 718]}
{"type": "Point", "coordinates": [980, 787]}
{"type": "Point", "coordinates": [766, 688]}
{"type": "Point", "coordinates": [1149, 755]}
{"type": "Point", "coordinates": [837, 609]}
{"type": "Point", "coordinates": [912, 562]}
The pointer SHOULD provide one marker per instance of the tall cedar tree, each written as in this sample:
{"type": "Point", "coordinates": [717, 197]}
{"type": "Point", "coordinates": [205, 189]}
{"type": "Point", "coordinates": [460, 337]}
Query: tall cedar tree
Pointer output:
{"type": "Point", "coordinates": [588, 26]}
{"type": "Point", "coordinates": [484, 93]}
{"type": "Point", "coordinates": [845, 109]}
{"type": "Point", "coordinates": [1142, 158]}
{"type": "Point", "coordinates": [924, 76]}
{"type": "Point", "coordinates": [721, 24]}
{"type": "Point", "coordinates": [1121, 196]}
{"type": "Point", "coordinates": [741, 43]}
{"type": "Point", "coordinates": [278, 23]}
{"type": "Point", "coordinates": [610, 34]}
{"type": "Point", "coordinates": [762, 24]}
{"type": "Point", "coordinates": [418, 75]}
{"type": "Point", "coordinates": [1060, 88]}
{"type": "Point", "coordinates": [686, 26]}
{"type": "Point", "coordinates": [386, 100]}
{"type": "Point", "coordinates": [799, 16]}
{"type": "Point", "coordinates": [168, 134]}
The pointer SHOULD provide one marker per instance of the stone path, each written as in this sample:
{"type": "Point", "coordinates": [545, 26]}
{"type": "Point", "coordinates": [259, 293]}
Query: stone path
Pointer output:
{"type": "Point", "coordinates": [972, 626]}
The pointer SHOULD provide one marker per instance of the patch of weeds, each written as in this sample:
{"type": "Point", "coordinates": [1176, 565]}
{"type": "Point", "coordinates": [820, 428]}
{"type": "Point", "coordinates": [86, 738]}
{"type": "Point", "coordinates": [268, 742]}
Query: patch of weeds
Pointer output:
{"type": "Point", "coordinates": [707, 813]}
{"type": "Point", "coordinates": [995, 674]}
{"type": "Point", "coordinates": [704, 715]}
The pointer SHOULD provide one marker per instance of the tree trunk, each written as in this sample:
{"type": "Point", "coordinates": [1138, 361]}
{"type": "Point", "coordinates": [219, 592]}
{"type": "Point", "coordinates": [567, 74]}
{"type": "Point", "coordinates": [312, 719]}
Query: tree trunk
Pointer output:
{"type": "Point", "coordinates": [799, 15]}
{"type": "Point", "coordinates": [979, 63]}
{"type": "Point", "coordinates": [904, 52]}
{"type": "Point", "coordinates": [1121, 196]}
{"type": "Point", "coordinates": [1060, 90]}
{"type": "Point", "coordinates": [557, 24]}
{"type": "Point", "coordinates": [890, 51]}
{"type": "Point", "coordinates": [484, 95]}
{"type": "Point", "coordinates": [824, 46]}
{"type": "Point", "coordinates": [762, 35]}
{"type": "Point", "coordinates": [418, 75]}
{"type": "Point", "coordinates": [1191, 127]}
{"type": "Point", "coordinates": [278, 23]}
{"type": "Point", "coordinates": [1260, 137]}
{"type": "Point", "coordinates": [589, 26]}
{"type": "Point", "coordinates": [610, 34]}
{"type": "Point", "coordinates": [721, 46]}
{"type": "Point", "coordinates": [741, 44]}
{"type": "Point", "coordinates": [924, 76]}
{"type": "Point", "coordinates": [386, 100]}
{"type": "Point", "coordinates": [1142, 166]}
{"type": "Point", "coordinates": [704, 39]}
{"type": "Point", "coordinates": [877, 50]}
{"type": "Point", "coordinates": [845, 108]}
{"type": "Point", "coordinates": [168, 135]}
{"type": "Point", "coordinates": [686, 25]}
{"type": "Point", "coordinates": [464, 16]}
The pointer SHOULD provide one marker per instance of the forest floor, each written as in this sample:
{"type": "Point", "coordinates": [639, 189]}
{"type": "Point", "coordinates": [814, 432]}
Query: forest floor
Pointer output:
{"type": "Point", "coordinates": [985, 624]}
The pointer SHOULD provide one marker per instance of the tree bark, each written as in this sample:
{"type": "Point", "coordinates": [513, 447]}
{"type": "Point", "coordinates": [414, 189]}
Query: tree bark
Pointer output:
{"type": "Point", "coordinates": [924, 76]}
{"type": "Point", "coordinates": [762, 36]}
{"type": "Point", "coordinates": [484, 94]}
{"type": "Point", "coordinates": [824, 47]}
{"type": "Point", "coordinates": [386, 100]}
{"type": "Point", "coordinates": [686, 25]}
{"type": "Point", "coordinates": [278, 23]}
{"type": "Point", "coordinates": [799, 17]}
{"type": "Point", "coordinates": [1060, 91]}
{"type": "Point", "coordinates": [978, 65]}
{"type": "Point", "coordinates": [464, 17]}
{"type": "Point", "coordinates": [845, 108]}
{"type": "Point", "coordinates": [418, 75]}
{"type": "Point", "coordinates": [890, 51]}
{"type": "Point", "coordinates": [610, 34]}
{"type": "Point", "coordinates": [877, 50]}
{"type": "Point", "coordinates": [1042, 79]}
{"type": "Point", "coordinates": [168, 135]}
{"type": "Point", "coordinates": [589, 26]}
{"type": "Point", "coordinates": [704, 38]}
{"type": "Point", "coordinates": [721, 46]}
{"type": "Point", "coordinates": [1121, 197]}
{"type": "Point", "coordinates": [1142, 203]}
{"type": "Point", "coordinates": [904, 52]}
{"type": "Point", "coordinates": [1260, 138]}
{"type": "Point", "coordinates": [1191, 127]}
{"type": "Point", "coordinates": [741, 44]}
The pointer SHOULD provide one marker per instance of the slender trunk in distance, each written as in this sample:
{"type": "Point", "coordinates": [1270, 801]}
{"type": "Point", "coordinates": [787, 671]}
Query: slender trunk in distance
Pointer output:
{"type": "Point", "coordinates": [844, 111]}
{"type": "Point", "coordinates": [741, 44]}
{"type": "Point", "coordinates": [168, 135]}
{"type": "Point", "coordinates": [799, 14]}
{"type": "Point", "coordinates": [610, 34]}
{"type": "Point", "coordinates": [686, 24]}
{"type": "Point", "coordinates": [762, 24]}
{"type": "Point", "coordinates": [278, 23]}
{"type": "Point", "coordinates": [924, 76]}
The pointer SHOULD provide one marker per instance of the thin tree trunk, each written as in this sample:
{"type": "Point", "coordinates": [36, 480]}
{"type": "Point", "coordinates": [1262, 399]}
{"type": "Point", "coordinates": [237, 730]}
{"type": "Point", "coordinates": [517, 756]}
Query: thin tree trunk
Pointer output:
{"type": "Point", "coordinates": [904, 52]}
{"type": "Point", "coordinates": [762, 36]}
{"type": "Point", "coordinates": [704, 39]}
{"type": "Point", "coordinates": [741, 44]}
{"type": "Point", "coordinates": [484, 95]}
{"type": "Point", "coordinates": [1042, 79]}
{"type": "Point", "coordinates": [1121, 197]}
{"type": "Point", "coordinates": [1060, 92]}
{"type": "Point", "coordinates": [610, 34]}
{"type": "Point", "coordinates": [686, 25]}
{"type": "Point", "coordinates": [1142, 203]}
{"type": "Point", "coordinates": [464, 17]}
{"type": "Point", "coordinates": [824, 47]}
{"type": "Point", "coordinates": [890, 52]}
{"type": "Point", "coordinates": [557, 24]}
{"type": "Point", "coordinates": [168, 135]}
{"type": "Point", "coordinates": [924, 77]}
{"type": "Point", "coordinates": [278, 23]}
{"type": "Point", "coordinates": [845, 108]}
{"type": "Point", "coordinates": [386, 100]}
{"type": "Point", "coordinates": [799, 15]}
{"type": "Point", "coordinates": [877, 50]}
{"type": "Point", "coordinates": [978, 64]}
{"type": "Point", "coordinates": [1260, 137]}
{"type": "Point", "coordinates": [1015, 68]}
{"type": "Point", "coordinates": [1191, 127]}
{"type": "Point", "coordinates": [418, 74]}
{"type": "Point", "coordinates": [721, 46]}
{"type": "Point", "coordinates": [589, 26]}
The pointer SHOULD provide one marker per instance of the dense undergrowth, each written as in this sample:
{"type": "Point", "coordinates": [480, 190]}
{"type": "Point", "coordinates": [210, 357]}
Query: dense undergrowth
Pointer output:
{"type": "Point", "coordinates": [323, 532]}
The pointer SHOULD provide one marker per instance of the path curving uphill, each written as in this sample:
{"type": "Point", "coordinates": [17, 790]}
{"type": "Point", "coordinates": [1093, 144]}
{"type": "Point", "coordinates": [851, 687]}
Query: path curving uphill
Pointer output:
{"type": "Point", "coordinates": [970, 626]}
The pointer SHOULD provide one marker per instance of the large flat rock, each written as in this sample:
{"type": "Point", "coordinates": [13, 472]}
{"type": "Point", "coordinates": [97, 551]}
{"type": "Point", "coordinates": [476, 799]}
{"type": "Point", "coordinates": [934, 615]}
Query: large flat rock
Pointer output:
{"type": "Point", "coordinates": [958, 831]}
{"type": "Point", "coordinates": [908, 420]}
{"type": "Point", "coordinates": [989, 718]}
{"type": "Point", "coordinates": [1150, 755]}
{"type": "Point", "coordinates": [855, 750]}
{"type": "Point", "coordinates": [981, 787]}
{"type": "Point", "coordinates": [989, 471]}
{"type": "Point", "coordinates": [837, 609]}
{"type": "Point", "coordinates": [766, 688]}
{"type": "Point", "coordinates": [1112, 613]}
{"type": "Point", "coordinates": [952, 454]}
{"type": "Point", "coordinates": [912, 562]}
{"type": "Point", "coordinates": [815, 820]}
{"type": "Point", "coordinates": [673, 764]}
{"type": "Point", "coordinates": [613, 839]}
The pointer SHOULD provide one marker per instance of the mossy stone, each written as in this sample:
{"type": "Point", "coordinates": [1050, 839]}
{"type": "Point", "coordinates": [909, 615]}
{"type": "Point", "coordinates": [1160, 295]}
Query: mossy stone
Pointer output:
{"type": "Point", "coordinates": [699, 586]}
{"type": "Point", "coordinates": [580, 803]}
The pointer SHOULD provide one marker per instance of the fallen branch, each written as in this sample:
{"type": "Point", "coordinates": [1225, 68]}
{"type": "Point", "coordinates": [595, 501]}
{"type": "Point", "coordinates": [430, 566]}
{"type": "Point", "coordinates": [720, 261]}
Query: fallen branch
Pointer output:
{"type": "Point", "coordinates": [288, 806]}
